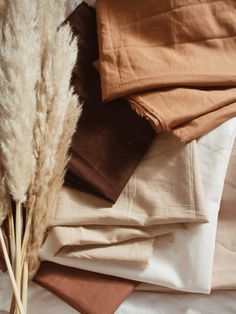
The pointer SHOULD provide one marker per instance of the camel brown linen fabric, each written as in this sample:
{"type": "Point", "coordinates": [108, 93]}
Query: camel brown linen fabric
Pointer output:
{"type": "Point", "coordinates": [173, 60]}
{"type": "Point", "coordinates": [187, 113]}
{"type": "Point", "coordinates": [110, 140]}
{"type": "Point", "coordinates": [89, 293]}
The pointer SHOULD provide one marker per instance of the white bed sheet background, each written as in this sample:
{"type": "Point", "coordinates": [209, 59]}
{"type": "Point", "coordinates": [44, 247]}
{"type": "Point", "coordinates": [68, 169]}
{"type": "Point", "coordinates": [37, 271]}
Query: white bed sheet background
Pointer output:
{"type": "Point", "coordinates": [164, 303]}
{"type": "Point", "coordinates": [41, 301]}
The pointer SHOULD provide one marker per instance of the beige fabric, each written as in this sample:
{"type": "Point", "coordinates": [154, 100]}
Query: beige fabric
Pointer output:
{"type": "Point", "coordinates": [164, 192]}
{"type": "Point", "coordinates": [110, 243]}
{"type": "Point", "coordinates": [165, 188]}
{"type": "Point", "coordinates": [105, 235]}
{"type": "Point", "coordinates": [136, 252]}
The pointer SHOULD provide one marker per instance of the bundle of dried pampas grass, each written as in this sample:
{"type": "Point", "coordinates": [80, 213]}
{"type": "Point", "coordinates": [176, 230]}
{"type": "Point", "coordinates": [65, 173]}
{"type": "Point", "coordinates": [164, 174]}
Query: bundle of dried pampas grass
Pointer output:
{"type": "Point", "coordinates": [38, 115]}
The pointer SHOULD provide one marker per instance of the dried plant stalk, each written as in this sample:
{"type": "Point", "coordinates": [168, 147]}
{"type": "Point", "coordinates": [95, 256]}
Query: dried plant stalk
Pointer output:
{"type": "Point", "coordinates": [25, 279]}
{"type": "Point", "coordinates": [9, 268]}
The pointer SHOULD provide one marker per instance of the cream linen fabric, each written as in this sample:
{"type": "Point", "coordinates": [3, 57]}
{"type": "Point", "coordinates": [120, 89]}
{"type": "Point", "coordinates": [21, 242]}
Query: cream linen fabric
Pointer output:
{"type": "Point", "coordinates": [166, 189]}
{"type": "Point", "coordinates": [186, 263]}
{"type": "Point", "coordinates": [106, 243]}
{"type": "Point", "coordinates": [136, 253]}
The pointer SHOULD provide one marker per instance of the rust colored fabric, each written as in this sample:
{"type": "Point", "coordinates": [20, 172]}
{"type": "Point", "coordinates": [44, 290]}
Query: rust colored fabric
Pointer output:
{"type": "Point", "coordinates": [173, 60]}
{"type": "Point", "coordinates": [110, 140]}
{"type": "Point", "coordinates": [89, 293]}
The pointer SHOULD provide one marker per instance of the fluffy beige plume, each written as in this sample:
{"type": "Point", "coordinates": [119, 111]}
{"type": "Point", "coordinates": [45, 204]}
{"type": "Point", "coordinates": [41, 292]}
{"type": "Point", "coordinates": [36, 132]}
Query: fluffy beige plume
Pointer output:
{"type": "Point", "coordinates": [4, 197]}
{"type": "Point", "coordinates": [54, 97]}
{"type": "Point", "coordinates": [49, 15]}
{"type": "Point", "coordinates": [49, 18]}
{"type": "Point", "coordinates": [19, 57]}
{"type": "Point", "coordinates": [19, 72]}
{"type": "Point", "coordinates": [56, 181]}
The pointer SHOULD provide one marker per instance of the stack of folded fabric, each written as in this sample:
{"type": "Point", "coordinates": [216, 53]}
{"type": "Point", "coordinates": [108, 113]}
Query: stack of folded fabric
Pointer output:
{"type": "Point", "coordinates": [149, 197]}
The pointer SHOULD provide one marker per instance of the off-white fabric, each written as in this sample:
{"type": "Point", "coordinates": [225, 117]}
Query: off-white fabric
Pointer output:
{"type": "Point", "coordinates": [186, 263]}
{"type": "Point", "coordinates": [163, 303]}
{"type": "Point", "coordinates": [224, 270]}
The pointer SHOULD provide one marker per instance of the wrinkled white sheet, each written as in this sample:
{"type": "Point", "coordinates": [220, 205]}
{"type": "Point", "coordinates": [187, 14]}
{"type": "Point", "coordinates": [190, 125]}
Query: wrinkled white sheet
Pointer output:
{"type": "Point", "coordinates": [185, 264]}
{"type": "Point", "coordinates": [41, 301]}
{"type": "Point", "coordinates": [164, 303]}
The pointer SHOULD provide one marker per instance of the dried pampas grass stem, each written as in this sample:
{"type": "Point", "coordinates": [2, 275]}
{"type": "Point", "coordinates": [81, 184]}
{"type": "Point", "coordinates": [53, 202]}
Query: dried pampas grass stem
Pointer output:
{"type": "Point", "coordinates": [25, 279]}
{"type": "Point", "coordinates": [9, 268]}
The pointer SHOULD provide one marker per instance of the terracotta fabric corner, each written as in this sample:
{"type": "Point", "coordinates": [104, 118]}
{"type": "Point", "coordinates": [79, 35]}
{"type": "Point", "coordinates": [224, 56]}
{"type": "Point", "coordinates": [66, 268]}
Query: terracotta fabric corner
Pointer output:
{"type": "Point", "coordinates": [89, 293]}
